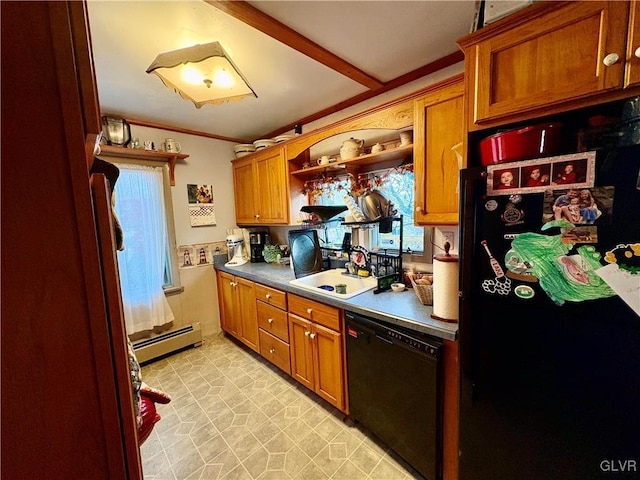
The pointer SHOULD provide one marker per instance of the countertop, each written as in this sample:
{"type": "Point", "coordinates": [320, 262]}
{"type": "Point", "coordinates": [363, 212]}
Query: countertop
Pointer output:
{"type": "Point", "coordinates": [401, 308]}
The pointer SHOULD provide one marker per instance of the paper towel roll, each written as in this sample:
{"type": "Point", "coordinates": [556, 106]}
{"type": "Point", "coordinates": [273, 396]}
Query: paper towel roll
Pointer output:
{"type": "Point", "coordinates": [445, 288]}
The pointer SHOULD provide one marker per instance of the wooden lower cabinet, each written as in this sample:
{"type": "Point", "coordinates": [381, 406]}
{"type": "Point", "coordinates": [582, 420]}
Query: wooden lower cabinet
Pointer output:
{"type": "Point", "coordinates": [273, 326]}
{"type": "Point", "coordinates": [275, 350]}
{"type": "Point", "coordinates": [317, 359]}
{"type": "Point", "coordinates": [238, 315]}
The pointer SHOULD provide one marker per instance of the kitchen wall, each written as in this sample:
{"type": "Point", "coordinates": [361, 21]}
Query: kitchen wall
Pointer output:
{"type": "Point", "coordinates": [209, 162]}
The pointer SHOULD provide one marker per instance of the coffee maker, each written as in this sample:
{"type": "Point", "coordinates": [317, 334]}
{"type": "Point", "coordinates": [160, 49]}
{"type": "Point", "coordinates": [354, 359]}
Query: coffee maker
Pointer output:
{"type": "Point", "coordinates": [257, 241]}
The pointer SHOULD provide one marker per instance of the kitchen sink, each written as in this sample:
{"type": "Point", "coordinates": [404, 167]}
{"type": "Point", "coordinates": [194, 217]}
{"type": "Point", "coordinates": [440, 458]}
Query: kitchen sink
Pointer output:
{"type": "Point", "coordinates": [325, 283]}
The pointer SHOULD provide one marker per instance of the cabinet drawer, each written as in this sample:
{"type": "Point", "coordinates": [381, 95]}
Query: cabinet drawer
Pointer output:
{"type": "Point", "coordinates": [316, 312]}
{"type": "Point", "coordinates": [275, 350]}
{"type": "Point", "coordinates": [271, 296]}
{"type": "Point", "coordinates": [273, 320]}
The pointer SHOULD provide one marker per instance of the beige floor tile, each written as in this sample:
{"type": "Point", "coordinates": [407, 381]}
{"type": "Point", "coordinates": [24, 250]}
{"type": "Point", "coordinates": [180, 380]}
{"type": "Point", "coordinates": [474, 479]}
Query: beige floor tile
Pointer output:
{"type": "Point", "coordinates": [257, 463]}
{"type": "Point", "coordinates": [348, 471]}
{"type": "Point", "coordinates": [234, 416]}
{"type": "Point", "coordinates": [295, 461]}
{"type": "Point", "coordinates": [187, 465]}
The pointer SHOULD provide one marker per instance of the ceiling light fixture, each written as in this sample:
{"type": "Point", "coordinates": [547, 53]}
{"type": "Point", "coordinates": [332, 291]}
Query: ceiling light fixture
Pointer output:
{"type": "Point", "coordinates": [202, 74]}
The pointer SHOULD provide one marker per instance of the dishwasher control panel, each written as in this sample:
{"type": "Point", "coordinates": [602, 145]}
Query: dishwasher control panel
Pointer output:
{"type": "Point", "coordinates": [412, 342]}
{"type": "Point", "coordinates": [367, 328]}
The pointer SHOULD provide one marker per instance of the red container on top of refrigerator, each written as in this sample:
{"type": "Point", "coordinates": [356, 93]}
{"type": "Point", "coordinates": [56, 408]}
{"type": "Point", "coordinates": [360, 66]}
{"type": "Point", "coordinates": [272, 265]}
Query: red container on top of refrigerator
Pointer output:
{"type": "Point", "coordinates": [533, 141]}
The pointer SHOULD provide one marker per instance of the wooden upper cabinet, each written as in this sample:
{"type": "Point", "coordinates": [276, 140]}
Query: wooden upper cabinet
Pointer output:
{"type": "Point", "coordinates": [272, 184]}
{"type": "Point", "coordinates": [545, 57]}
{"type": "Point", "coordinates": [632, 71]}
{"type": "Point", "coordinates": [260, 189]}
{"type": "Point", "coordinates": [438, 127]}
{"type": "Point", "coordinates": [244, 190]}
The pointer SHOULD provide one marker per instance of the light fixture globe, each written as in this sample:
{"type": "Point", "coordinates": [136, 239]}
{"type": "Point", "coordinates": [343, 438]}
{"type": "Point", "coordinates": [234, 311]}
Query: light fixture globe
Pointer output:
{"type": "Point", "coordinates": [202, 74]}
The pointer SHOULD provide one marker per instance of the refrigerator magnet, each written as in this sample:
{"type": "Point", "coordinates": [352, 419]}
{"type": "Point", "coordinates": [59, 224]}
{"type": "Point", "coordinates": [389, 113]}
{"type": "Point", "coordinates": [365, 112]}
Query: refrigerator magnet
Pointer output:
{"type": "Point", "coordinates": [512, 215]}
{"type": "Point", "coordinates": [491, 205]}
{"type": "Point", "coordinates": [524, 291]}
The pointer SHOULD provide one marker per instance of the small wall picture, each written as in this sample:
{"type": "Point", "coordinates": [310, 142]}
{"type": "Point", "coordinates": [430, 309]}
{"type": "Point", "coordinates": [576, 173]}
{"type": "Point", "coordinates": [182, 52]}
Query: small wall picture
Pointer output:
{"type": "Point", "coordinates": [200, 193]}
{"type": "Point", "coordinates": [542, 174]}
{"type": "Point", "coordinates": [186, 256]}
{"type": "Point", "coordinates": [201, 209]}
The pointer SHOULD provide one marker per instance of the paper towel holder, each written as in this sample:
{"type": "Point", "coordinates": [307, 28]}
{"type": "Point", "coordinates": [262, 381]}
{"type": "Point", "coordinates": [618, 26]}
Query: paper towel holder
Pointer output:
{"type": "Point", "coordinates": [446, 258]}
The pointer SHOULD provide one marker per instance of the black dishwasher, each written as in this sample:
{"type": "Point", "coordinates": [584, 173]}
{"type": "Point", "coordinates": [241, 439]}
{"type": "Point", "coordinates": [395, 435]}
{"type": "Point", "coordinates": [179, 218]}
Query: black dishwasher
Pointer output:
{"type": "Point", "coordinates": [395, 380]}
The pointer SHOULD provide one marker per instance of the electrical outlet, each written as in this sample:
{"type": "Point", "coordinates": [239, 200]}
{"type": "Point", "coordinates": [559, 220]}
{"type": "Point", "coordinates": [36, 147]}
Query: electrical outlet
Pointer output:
{"type": "Point", "coordinates": [450, 236]}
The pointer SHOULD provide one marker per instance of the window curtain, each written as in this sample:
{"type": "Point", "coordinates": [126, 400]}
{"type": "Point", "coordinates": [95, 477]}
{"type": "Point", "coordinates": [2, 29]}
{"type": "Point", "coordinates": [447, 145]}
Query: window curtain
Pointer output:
{"type": "Point", "coordinates": [141, 210]}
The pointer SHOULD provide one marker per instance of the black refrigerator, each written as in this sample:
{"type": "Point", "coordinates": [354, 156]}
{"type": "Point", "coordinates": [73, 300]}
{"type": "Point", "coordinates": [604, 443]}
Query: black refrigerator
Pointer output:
{"type": "Point", "coordinates": [550, 375]}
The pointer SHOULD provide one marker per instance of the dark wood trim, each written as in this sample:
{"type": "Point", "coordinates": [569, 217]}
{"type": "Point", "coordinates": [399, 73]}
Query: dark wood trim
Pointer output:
{"type": "Point", "coordinates": [170, 158]}
{"type": "Point", "coordinates": [259, 20]}
{"type": "Point", "coordinates": [144, 123]}
{"type": "Point", "coordinates": [85, 71]}
{"type": "Point", "coordinates": [115, 321]}
{"type": "Point", "coordinates": [73, 121]}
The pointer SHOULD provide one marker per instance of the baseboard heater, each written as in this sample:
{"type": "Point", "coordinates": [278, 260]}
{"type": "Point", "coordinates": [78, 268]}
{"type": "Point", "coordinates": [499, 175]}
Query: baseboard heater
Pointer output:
{"type": "Point", "coordinates": [165, 343]}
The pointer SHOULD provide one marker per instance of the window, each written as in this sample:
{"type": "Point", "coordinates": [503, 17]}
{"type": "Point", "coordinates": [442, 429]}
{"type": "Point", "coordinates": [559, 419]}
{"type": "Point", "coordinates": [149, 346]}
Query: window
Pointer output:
{"type": "Point", "coordinates": [396, 185]}
{"type": "Point", "coordinates": [137, 196]}
{"type": "Point", "coordinates": [147, 264]}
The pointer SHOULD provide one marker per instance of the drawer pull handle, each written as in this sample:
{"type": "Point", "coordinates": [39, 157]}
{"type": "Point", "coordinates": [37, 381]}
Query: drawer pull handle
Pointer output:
{"type": "Point", "coordinates": [307, 333]}
{"type": "Point", "coordinates": [270, 320]}
{"type": "Point", "coordinates": [267, 296]}
{"type": "Point", "coordinates": [637, 52]}
{"type": "Point", "coordinates": [313, 335]}
{"type": "Point", "coordinates": [611, 59]}
{"type": "Point", "coordinates": [272, 350]}
{"type": "Point", "coordinates": [418, 209]}
{"type": "Point", "coordinates": [233, 284]}
{"type": "Point", "coordinates": [309, 310]}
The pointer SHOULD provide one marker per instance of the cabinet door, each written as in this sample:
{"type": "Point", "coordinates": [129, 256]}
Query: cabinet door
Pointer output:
{"type": "Point", "coordinates": [328, 363]}
{"type": "Point", "coordinates": [549, 60]}
{"type": "Point", "coordinates": [271, 189]}
{"type": "Point", "coordinates": [244, 191]}
{"type": "Point", "coordinates": [438, 127]}
{"type": "Point", "coordinates": [228, 304]}
{"type": "Point", "coordinates": [247, 313]}
{"type": "Point", "coordinates": [632, 69]}
{"type": "Point", "coordinates": [301, 351]}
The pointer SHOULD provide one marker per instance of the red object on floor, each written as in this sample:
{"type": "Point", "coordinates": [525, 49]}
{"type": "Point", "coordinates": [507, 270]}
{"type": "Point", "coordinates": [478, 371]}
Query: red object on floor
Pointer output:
{"type": "Point", "coordinates": [148, 399]}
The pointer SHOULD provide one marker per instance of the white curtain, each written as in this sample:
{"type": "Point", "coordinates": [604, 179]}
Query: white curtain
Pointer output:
{"type": "Point", "coordinates": [139, 204]}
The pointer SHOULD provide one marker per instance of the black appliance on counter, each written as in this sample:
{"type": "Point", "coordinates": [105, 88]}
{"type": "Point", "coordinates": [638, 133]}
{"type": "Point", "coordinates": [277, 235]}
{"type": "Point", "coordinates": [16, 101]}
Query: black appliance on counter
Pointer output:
{"type": "Point", "coordinates": [257, 241]}
{"type": "Point", "coordinates": [395, 380]}
{"type": "Point", "coordinates": [306, 256]}
{"type": "Point", "coordinates": [548, 391]}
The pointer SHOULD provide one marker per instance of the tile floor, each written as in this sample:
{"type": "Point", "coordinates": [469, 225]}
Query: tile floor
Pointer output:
{"type": "Point", "coordinates": [235, 416]}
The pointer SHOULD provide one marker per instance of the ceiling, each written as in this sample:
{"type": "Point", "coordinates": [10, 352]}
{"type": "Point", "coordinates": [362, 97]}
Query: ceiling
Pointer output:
{"type": "Point", "coordinates": [353, 50]}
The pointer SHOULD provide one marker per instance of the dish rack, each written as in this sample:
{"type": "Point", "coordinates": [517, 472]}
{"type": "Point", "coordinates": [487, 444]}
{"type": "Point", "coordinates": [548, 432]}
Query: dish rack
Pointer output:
{"type": "Point", "coordinates": [388, 263]}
